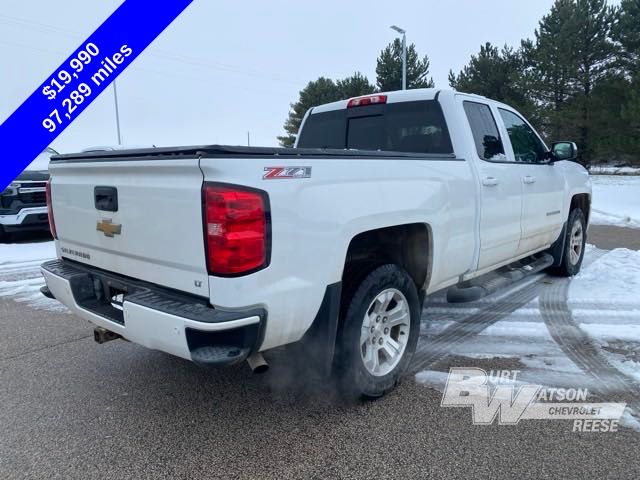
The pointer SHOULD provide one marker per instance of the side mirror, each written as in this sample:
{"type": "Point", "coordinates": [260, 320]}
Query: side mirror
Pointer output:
{"type": "Point", "coordinates": [563, 151]}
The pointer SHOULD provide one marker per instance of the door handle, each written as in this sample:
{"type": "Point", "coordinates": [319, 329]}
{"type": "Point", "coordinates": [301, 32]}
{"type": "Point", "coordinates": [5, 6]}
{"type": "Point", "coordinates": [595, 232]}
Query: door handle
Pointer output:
{"type": "Point", "coordinates": [490, 181]}
{"type": "Point", "coordinates": [529, 179]}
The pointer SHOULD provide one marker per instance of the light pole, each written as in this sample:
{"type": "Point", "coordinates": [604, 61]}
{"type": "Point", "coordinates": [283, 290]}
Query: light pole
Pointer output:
{"type": "Point", "coordinates": [115, 97]}
{"type": "Point", "coordinates": [404, 54]}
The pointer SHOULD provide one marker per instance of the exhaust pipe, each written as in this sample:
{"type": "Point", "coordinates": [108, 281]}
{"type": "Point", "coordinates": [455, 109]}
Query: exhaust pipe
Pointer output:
{"type": "Point", "coordinates": [102, 335]}
{"type": "Point", "coordinates": [257, 363]}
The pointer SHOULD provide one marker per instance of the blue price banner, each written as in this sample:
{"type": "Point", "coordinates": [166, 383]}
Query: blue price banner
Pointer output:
{"type": "Point", "coordinates": [80, 79]}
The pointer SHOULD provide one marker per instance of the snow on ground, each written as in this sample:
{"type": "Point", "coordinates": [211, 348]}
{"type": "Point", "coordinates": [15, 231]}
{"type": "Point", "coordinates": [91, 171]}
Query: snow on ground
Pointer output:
{"type": "Point", "coordinates": [616, 200]}
{"type": "Point", "coordinates": [612, 281]}
{"type": "Point", "coordinates": [611, 170]}
{"type": "Point", "coordinates": [20, 276]}
{"type": "Point", "coordinates": [521, 335]}
{"type": "Point", "coordinates": [604, 303]}
{"type": "Point", "coordinates": [21, 252]}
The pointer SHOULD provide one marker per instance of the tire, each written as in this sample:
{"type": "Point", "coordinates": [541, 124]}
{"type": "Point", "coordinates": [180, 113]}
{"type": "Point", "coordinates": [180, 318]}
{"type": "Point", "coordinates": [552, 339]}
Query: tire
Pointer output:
{"type": "Point", "coordinates": [4, 236]}
{"type": "Point", "coordinates": [367, 369]}
{"type": "Point", "coordinates": [574, 245]}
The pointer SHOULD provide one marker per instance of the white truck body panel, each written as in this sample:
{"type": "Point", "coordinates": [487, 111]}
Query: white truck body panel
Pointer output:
{"type": "Point", "coordinates": [159, 210]}
{"type": "Point", "coordinates": [380, 193]}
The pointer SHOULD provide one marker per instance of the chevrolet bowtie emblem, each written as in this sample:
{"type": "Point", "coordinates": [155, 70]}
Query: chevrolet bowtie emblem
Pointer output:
{"type": "Point", "coordinates": [109, 229]}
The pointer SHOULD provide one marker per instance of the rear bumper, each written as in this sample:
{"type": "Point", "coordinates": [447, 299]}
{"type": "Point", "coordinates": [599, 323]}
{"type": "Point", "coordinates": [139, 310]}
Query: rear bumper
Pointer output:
{"type": "Point", "coordinates": [26, 218]}
{"type": "Point", "coordinates": [160, 319]}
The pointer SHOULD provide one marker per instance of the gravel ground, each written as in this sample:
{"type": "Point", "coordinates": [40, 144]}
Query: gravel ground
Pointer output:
{"type": "Point", "coordinates": [609, 237]}
{"type": "Point", "coordinates": [75, 409]}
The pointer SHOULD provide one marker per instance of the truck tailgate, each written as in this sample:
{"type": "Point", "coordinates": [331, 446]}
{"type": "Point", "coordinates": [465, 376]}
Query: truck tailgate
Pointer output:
{"type": "Point", "coordinates": [154, 233]}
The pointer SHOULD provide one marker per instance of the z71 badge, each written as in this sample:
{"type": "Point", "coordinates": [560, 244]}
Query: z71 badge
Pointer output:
{"type": "Point", "coordinates": [275, 173]}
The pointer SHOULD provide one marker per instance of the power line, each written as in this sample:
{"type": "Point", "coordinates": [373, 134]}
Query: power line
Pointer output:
{"type": "Point", "coordinates": [30, 23]}
{"type": "Point", "coordinates": [164, 73]}
{"type": "Point", "coordinates": [161, 54]}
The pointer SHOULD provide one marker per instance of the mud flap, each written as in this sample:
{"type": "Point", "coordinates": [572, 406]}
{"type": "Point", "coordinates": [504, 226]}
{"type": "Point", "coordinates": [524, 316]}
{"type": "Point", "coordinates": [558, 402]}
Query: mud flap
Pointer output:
{"type": "Point", "coordinates": [557, 249]}
{"type": "Point", "coordinates": [319, 343]}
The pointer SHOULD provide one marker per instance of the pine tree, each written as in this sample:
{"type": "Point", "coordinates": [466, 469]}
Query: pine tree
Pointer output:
{"type": "Point", "coordinates": [355, 86]}
{"type": "Point", "coordinates": [552, 67]}
{"type": "Point", "coordinates": [626, 31]}
{"type": "Point", "coordinates": [496, 74]}
{"type": "Point", "coordinates": [317, 92]}
{"type": "Point", "coordinates": [610, 132]}
{"type": "Point", "coordinates": [572, 53]}
{"type": "Point", "coordinates": [594, 53]}
{"type": "Point", "coordinates": [323, 90]}
{"type": "Point", "coordinates": [631, 118]}
{"type": "Point", "coordinates": [389, 68]}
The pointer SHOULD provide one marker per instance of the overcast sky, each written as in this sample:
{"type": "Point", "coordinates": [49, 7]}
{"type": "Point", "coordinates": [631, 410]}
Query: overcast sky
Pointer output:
{"type": "Point", "coordinates": [227, 67]}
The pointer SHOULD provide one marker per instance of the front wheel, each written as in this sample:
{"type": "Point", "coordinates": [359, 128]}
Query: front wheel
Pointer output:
{"type": "Point", "coordinates": [574, 244]}
{"type": "Point", "coordinates": [379, 332]}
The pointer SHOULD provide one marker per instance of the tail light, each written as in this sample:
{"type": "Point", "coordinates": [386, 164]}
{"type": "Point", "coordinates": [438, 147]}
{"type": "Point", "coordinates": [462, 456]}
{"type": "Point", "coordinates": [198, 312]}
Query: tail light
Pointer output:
{"type": "Point", "coordinates": [52, 221]}
{"type": "Point", "coordinates": [236, 227]}
{"type": "Point", "coordinates": [368, 100]}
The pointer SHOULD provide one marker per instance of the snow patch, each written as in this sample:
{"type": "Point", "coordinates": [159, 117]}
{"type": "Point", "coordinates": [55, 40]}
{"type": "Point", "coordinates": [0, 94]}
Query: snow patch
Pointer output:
{"type": "Point", "coordinates": [629, 420]}
{"type": "Point", "coordinates": [613, 278]}
{"type": "Point", "coordinates": [20, 277]}
{"type": "Point", "coordinates": [616, 200]}
{"type": "Point", "coordinates": [613, 170]}
{"type": "Point", "coordinates": [13, 254]}
{"type": "Point", "coordinates": [433, 378]}
{"type": "Point", "coordinates": [608, 332]}
{"type": "Point", "coordinates": [518, 328]}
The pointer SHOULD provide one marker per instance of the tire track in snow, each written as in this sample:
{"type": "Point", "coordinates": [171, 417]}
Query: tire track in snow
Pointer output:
{"type": "Point", "coordinates": [581, 349]}
{"type": "Point", "coordinates": [20, 271]}
{"type": "Point", "coordinates": [487, 311]}
{"type": "Point", "coordinates": [438, 347]}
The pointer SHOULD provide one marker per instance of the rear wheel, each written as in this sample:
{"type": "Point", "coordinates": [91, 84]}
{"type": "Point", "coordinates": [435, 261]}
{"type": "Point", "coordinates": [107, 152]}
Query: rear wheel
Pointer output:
{"type": "Point", "coordinates": [379, 332]}
{"type": "Point", "coordinates": [574, 244]}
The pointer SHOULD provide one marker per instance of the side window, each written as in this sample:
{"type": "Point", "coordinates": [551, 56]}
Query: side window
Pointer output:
{"type": "Point", "coordinates": [485, 132]}
{"type": "Point", "coordinates": [527, 146]}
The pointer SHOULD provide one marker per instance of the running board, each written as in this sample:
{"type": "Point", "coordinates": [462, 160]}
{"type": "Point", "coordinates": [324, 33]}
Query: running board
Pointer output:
{"type": "Point", "coordinates": [477, 288]}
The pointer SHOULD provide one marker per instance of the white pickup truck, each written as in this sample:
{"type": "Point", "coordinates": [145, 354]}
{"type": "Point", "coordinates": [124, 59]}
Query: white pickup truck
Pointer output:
{"type": "Point", "coordinates": [216, 254]}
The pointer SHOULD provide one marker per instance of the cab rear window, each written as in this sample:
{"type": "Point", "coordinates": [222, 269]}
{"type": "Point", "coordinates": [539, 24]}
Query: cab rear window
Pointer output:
{"type": "Point", "coordinates": [412, 127]}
